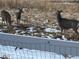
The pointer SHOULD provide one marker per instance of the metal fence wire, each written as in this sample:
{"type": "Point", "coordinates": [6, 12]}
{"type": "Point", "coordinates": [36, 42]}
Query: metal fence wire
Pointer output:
{"type": "Point", "coordinates": [36, 48]}
{"type": "Point", "coordinates": [33, 47]}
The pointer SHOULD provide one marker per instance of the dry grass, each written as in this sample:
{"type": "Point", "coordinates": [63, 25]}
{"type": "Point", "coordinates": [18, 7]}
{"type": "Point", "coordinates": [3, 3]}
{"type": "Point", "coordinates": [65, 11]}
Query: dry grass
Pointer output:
{"type": "Point", "coordinates": [71, 35]}
{"type": "Point", "coordinates": [40, 4]}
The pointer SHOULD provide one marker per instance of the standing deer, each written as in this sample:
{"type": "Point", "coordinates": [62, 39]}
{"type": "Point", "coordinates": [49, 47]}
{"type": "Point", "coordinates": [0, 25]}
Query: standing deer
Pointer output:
{"type": "Point", "coordinates": [6, 17]}
{"type": "Point", "coordinates": [65, 23]}
{"type": "Point", "coordinates": [18, 15]}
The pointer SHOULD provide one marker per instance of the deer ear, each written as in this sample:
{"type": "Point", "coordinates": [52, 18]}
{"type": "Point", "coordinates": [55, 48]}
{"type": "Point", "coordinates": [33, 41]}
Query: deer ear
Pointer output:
{"type": "Point", "coordinates": [21, 8]}
{"type": "Point", "coordinates": [60, 10]}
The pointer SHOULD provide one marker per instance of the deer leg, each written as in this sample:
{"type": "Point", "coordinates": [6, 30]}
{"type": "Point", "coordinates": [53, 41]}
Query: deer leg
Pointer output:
{"type": "Point", "coordinates": [6, 23]}
{"type": "Point", "coordinates": [17, 21]}
{"type": "Point", "coordinates": [61, 31]}
{"type": "Point", "coordinates": [2, 22]}
{"type": "Point", "coordinates": [76, 30]}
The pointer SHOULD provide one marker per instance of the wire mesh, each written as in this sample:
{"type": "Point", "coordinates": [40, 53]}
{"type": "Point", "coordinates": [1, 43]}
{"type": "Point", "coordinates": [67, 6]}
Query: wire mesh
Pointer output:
{"type": "Point", "coordinates": [49, 51]}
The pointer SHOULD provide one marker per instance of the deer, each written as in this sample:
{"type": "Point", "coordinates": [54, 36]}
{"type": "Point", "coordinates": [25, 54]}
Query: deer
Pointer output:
{"type": "Point", "coordinates": [6, 17]}
{"type": "Point", "coordinates": [65, 23]}
{"type": "Point", "coordinates": [18, 15]}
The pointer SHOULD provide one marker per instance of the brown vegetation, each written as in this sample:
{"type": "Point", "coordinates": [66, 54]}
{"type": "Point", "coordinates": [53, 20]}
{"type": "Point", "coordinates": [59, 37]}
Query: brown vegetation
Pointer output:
{"type": "Point", "coordinates": [40, 4]}
{"type": "Point", "coordinates": [71, 35]}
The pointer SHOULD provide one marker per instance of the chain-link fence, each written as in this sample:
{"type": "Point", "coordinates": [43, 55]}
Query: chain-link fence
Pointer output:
{"type": "Point", "coordinates": [36, 48]}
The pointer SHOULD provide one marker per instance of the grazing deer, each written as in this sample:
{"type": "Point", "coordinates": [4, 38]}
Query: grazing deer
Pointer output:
{"type": "Point", "coordinates": [65, 23]}
{"type": "Point", "coordinates": [18, 15]}
{"type": "Point", "coordinates": [6, 17]}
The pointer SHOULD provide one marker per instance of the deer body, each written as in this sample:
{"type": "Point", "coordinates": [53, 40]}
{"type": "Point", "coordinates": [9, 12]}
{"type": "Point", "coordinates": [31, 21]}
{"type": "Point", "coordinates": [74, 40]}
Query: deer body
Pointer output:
{"type": "Point", "coordinates": [18, 15]}
{"type": "Point", "coordinates": [65, 23]}
{"type": "Point", "coordinates": [6, 17]}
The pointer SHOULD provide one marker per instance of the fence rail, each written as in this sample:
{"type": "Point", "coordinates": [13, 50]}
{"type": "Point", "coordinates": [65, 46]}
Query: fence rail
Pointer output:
{"type": "Point", "coordinates": [42, 44]}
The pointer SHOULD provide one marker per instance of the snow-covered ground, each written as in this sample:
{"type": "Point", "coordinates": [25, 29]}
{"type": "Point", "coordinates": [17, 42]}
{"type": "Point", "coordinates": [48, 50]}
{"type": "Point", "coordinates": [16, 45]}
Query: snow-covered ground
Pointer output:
{"type": "Point", "coordinates": [30, 54]}
{"type": "Point", "coordinates": [31, 31]}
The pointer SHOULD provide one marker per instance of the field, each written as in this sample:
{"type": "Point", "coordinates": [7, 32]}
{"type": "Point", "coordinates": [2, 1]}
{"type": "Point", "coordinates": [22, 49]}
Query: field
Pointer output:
{"type": "Point", "coordinates": [40, 4]}
{"type": "Point", "coordinates": [41, 14]}
{"type": "Point", "coordinates": [38, 19]}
